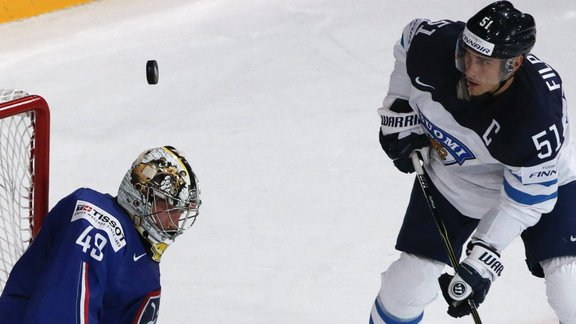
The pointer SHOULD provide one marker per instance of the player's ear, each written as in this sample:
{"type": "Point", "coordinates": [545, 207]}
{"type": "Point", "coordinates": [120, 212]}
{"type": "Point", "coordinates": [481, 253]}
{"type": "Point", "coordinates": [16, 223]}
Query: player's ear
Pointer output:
{"type": "Point", "coordinates": [518, 60]}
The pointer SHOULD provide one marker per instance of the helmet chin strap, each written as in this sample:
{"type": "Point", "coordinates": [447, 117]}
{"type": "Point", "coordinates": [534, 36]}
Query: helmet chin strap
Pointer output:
{"type": "Point", "coordinates": [500, 85]}
{"type": "Point", "coordinates": [482, 98]}
{"type": "Point", "coordinates": [491, 94]}
{"type": "Point", "coordinates": [156, 247]}
{"type": "Point", "coordinates": [157, 250]}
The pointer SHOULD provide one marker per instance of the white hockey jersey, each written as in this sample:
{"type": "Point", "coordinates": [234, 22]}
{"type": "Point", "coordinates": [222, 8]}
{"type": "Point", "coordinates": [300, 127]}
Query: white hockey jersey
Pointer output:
{"type": "Point", "coordinates": [502, 159]}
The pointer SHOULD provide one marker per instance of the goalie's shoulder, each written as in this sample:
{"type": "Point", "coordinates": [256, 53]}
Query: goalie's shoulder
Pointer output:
{"type": "Point", "coordinates": [89, 210]}
{"type": "Point", "coordinates": [95, 207]}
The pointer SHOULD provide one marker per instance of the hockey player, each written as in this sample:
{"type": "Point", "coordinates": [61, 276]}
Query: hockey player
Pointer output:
{"type": "Point", "coordinates": [489, 122]}
{"type": "Point", "coordinates": [96, 258]}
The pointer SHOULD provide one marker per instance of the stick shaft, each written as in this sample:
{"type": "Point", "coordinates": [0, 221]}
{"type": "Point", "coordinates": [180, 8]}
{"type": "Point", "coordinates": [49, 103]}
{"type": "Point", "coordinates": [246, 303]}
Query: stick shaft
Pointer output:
{"type": "Point", "coordinates": [441, 227]}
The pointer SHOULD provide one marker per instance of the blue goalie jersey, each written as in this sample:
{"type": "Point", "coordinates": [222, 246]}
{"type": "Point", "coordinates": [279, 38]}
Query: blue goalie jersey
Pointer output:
{"type": "Point", "coordinates": [88, 264]}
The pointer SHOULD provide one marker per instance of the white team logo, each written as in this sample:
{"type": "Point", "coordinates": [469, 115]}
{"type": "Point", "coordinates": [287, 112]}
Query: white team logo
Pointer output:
{"type": "Point", "coordinates": [101, 220]}
{"type": "Point", "coordinates": [459, 289]}
{"type": "Point", "coordinates": [423, 84]}
{"type": "Point", "coordinates": [138, 257]}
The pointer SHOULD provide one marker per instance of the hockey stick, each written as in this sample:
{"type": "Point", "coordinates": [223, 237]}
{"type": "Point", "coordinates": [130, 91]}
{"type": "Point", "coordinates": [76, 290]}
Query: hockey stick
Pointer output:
{"type": "Point", "coordinates": [441, 227]}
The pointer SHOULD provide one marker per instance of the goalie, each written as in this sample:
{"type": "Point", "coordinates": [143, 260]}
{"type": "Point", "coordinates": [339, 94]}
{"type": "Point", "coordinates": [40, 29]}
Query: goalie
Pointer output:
{"type": "Point", "coordinates": [96, 257]}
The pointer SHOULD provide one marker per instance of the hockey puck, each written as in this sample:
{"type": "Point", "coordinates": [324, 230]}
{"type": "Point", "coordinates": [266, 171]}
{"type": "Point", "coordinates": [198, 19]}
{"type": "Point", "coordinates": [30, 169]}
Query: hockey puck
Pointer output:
{"type": "Point", "coordinates": [152, 73]}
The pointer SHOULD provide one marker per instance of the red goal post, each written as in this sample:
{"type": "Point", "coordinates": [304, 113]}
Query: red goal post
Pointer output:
{"type": "Point", "coordinates": [24, 173]}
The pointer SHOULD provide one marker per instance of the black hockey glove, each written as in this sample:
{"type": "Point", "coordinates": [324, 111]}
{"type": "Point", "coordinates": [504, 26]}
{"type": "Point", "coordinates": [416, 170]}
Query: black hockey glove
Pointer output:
{"type": "Point", "coordinates": [473, 279]}
{"type": "Point", "coordinates": [399, 149]}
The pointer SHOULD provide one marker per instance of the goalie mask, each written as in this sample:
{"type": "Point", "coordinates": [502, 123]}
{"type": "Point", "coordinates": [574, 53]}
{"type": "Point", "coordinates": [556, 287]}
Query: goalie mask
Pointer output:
{"type": "Point", "coordinates": [160, 193]}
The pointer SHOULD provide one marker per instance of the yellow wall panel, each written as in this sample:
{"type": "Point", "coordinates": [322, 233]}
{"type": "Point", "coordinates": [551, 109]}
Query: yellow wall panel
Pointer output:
{"type": "Point", "coordinates": [18, 9]}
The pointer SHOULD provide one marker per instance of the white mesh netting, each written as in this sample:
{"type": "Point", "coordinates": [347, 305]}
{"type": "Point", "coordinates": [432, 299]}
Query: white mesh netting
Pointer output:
{"type": "Point", "coordinates": [16, 140]}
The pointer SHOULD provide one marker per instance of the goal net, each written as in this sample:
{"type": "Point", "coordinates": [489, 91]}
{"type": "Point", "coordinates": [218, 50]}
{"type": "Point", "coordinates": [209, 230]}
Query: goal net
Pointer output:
{"type": "Point", "coordinates": [24, 169]}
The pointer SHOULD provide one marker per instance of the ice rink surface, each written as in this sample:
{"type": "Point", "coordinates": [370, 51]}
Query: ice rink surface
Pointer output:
{"type": "Point", "coordinates": [274, 102]}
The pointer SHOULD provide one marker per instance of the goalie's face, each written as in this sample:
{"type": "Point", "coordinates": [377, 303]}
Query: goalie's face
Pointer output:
{"type": "Point", "coordinates": [171, 218]}
{"type": "Point", "coordinates": [165, 216]}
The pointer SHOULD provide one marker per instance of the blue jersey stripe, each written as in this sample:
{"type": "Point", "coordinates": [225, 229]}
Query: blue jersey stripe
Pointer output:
{"type": "Point", "coordinates": [549, 183]}
{"type": "Point", "coordinates": [387, 318]}
{"type": "Point", "coordinates": [525, 198]}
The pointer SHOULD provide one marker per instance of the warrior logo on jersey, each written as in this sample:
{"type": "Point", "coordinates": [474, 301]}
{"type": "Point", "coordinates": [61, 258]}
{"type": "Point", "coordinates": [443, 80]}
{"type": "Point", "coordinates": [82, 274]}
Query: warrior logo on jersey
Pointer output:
{"type": "Point", "coordinates": [102, 220]}
{"type": "Point", "coordinates": [446, 145]}
{"type": "Point", "coordinates": [148, 313]}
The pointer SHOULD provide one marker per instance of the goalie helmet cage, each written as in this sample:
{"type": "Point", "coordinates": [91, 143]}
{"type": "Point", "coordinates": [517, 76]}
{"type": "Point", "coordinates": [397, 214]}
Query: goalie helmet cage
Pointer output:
{"type": "Point", "coordinates": [24, 172]}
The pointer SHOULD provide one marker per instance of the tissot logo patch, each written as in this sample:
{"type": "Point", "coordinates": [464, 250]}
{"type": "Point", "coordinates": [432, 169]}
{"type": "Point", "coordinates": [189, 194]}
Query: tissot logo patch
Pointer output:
{"type": "Point", "coordinates": [102, 220]}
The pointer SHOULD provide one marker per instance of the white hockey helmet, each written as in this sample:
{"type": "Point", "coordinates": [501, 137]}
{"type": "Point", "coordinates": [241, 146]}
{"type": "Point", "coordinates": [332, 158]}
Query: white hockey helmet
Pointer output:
{"type": "Point", "coordinates": [160, 192]}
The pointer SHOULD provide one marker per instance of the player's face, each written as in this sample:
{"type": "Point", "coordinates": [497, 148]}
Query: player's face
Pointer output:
{"type": "Point", "coordinates": [483, 73]}
{"type": "Point", "coordinates": [166, 216]}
